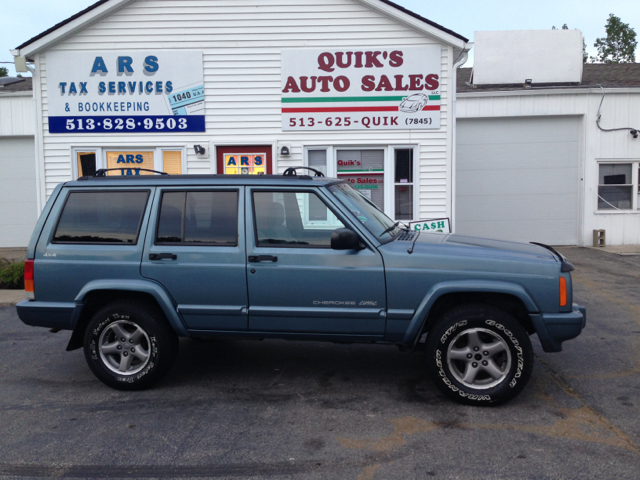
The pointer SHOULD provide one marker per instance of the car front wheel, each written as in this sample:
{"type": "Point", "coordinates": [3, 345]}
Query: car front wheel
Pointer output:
{"type": "Point", "coordinates": [129, 345]}
{"type": "Point", "coordinates": [479, 355]}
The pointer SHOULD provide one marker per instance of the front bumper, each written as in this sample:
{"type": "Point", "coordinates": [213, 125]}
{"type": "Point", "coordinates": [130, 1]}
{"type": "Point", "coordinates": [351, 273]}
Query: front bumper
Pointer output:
{"type": "Point", "coordinates": [555, 328]}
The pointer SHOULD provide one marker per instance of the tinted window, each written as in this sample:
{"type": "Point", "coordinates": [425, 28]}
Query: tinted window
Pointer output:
{"type": "Point", "coordinates": [102, 217]}
{"type": "Point", "coordinates": [199, 218]}
{"type": "Point", "coordinates": [291, 219]}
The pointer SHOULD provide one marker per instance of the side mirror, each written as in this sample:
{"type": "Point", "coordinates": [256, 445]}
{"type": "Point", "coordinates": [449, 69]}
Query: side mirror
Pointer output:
{"type": "Point", "coordinates": [345, 239]}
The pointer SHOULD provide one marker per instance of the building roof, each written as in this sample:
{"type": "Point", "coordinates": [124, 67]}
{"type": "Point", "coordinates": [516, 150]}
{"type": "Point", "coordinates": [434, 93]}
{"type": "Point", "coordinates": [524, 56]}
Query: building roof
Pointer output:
{"type": "Point", "coordinates": [25, 86]}
{"type": "Point", "coordinates": [610, 75]}
{"type": "Point", "coordinates": [62, 23]}
{"type": "Point", "coordinates": [102, 2]}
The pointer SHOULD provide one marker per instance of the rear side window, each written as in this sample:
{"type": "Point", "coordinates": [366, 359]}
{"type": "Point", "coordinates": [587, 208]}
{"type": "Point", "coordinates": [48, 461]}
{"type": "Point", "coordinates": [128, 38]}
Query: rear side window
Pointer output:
{"type": "Point", "coordinates": [198, 218]}
{"type": "Point", "coordinates": [112, 217]}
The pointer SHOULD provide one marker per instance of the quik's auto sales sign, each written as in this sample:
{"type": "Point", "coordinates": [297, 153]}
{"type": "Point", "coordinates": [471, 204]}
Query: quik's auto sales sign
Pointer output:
{"type": "Point", "coordinates": [125, 91]}
{"type": "Point", "coordinates": [350, 89]}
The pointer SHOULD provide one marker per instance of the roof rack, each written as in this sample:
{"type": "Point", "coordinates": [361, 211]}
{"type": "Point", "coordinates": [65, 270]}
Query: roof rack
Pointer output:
{"type": "Point", "coordinates": [291, 171]}
{"type": "Point", "coordinates": [103, 171]}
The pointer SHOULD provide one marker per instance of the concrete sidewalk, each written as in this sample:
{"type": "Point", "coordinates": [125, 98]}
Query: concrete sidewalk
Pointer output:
{"type": "Point", "coordinates": [13, 253]}
{"type": "Point", "coordinates": [8, 298]}
{"type": "Point", "coordinates": [620, 249]}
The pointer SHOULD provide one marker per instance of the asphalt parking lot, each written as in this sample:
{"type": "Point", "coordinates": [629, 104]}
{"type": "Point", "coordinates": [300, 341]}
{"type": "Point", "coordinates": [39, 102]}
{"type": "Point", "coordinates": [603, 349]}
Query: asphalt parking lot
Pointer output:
{"type": "Point", "coordinates": [278, 409]}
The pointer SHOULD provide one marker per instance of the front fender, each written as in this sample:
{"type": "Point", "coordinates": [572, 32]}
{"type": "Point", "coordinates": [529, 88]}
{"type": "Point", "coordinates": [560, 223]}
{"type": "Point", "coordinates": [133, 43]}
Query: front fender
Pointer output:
{"type": "Point", "coordinates": [464, 286]}
{"type": "Point", "coordinates": [143, 286]}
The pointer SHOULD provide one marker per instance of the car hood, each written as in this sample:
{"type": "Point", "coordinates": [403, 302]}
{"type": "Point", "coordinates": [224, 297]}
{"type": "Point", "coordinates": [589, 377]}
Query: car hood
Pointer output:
{"type": "Point", "coordinates": [466, 246]}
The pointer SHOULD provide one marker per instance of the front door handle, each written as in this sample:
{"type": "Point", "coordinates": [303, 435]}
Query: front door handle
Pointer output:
{"type": "Point", "coordinates": [160, 256]}
{"type": "Point", "coordinates": [262, 258]}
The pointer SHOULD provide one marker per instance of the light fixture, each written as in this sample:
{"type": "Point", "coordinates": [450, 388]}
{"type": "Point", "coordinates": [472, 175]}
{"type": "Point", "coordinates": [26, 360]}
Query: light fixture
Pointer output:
{"type": "Point", "coordinates": [199, 149]}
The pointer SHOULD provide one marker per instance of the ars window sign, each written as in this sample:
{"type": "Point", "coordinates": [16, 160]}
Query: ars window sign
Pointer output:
{"type": "Point", "coordinates": [125, 92]}
{"type": "Point", "coordinates": [245, 164]}
{"type": "Point", "coordinates": [361, 89]}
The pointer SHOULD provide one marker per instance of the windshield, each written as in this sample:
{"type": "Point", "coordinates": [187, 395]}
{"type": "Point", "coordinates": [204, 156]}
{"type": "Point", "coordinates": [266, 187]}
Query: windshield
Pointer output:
{"type": "Point", "coordinates": [371, 217]}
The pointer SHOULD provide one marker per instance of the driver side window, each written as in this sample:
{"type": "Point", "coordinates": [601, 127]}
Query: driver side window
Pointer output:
{"type": "Point", "coordinates": [293, 219]}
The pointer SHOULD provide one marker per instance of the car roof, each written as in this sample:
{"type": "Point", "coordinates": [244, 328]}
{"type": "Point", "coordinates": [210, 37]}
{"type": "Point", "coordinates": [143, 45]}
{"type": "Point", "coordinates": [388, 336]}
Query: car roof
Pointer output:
{"type": "Point", "coordinates": [201, 180]}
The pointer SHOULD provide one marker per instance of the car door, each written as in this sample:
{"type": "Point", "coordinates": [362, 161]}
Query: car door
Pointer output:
{"type": "Point", "coordinates": [297, 282]}
{"type": "Point", "coordinates": [195, 248]}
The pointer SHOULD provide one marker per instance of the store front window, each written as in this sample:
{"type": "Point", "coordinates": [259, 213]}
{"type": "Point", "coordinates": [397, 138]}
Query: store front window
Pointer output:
{"type": "Point", "coordinates": [239, 160]}
{"type": "Point", "coordinates": [87, 163]}
{"type": "Point", "coordinates": [245, 164]}
{"type": "Point", "coordinates": [130, 162]}
{"type": "Point", "coordinates": [364, 169]}
{"type": "Point", "coordinates": [403, 184]}
{"type": "Point", "coordinates": [172, 162]}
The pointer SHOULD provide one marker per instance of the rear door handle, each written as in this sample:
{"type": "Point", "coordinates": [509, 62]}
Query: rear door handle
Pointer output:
{"type": "Point", "coordinates": [160, 256]}
{"type": "Point", "coordinates": [262, 258]}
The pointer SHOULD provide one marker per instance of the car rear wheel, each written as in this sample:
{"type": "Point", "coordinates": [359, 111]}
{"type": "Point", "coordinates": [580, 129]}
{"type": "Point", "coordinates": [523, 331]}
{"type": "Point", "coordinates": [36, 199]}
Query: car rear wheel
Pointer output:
{"type": "Point", "coordinates": [479, 355]}
{"type": "Point", "coordinates": [129, 345]}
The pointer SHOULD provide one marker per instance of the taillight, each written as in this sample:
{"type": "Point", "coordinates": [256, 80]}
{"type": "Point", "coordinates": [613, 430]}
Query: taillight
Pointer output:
{"type": "Point", "coordinates": [563, 292]}
{"type": "Point", "coordinates": [28, 280]}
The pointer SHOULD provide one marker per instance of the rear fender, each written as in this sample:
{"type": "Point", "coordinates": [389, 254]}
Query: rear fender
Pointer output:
{"type": "Point", "coordinates": [465, 286]}
{"type": "Point", "coordinates": [137, 286]}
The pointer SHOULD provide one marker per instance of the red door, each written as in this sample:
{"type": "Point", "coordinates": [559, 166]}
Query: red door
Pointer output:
{"type": "Point", "coordinates": [245, 160]}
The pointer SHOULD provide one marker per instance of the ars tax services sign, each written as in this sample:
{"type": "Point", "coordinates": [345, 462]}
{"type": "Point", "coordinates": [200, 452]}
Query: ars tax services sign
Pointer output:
{"type": "Point", "coordinates": [350, 89]}
{"type": "Point", "coordinates": [126, 91]}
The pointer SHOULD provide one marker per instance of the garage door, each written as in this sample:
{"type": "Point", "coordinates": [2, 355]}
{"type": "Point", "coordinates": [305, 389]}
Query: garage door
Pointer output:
{"type": "Point", "coordinates": [518, 179]}
{"type": "Point", "coordinates": [17, 191]}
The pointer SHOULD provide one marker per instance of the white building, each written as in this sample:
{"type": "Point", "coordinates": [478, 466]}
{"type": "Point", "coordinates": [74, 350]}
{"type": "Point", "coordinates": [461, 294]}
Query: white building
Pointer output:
{"type": "Point", "coordinates": [361, 89]}
{"type": "Point", "coordinates": [532, 163]}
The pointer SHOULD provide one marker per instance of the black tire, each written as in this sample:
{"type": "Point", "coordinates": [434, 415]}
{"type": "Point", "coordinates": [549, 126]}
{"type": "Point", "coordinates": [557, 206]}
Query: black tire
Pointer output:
{"type": "Point", "coordinates": [121, 328]}
{"type": "Point", "coordinates": [501, 359]}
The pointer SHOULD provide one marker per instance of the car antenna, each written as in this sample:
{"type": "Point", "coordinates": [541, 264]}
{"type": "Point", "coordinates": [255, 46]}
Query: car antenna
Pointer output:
{"type": "Point", "coordinates": [413, 244]}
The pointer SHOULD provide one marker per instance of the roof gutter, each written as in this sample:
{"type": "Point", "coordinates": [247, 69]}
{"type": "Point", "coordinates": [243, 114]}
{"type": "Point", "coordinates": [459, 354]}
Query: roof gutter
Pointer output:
{"type": "Point", "coordinates": [68, 27]}
{"type": "Point", "coordinates": [415, 21]}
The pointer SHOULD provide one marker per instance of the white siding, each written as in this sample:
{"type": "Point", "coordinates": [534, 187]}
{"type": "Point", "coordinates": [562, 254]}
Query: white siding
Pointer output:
{"type": "Point", "coordinates": [17, 115]}
{"type": "Point", "coordinates": [241, 41]}
{"type": "Point", "coordinates": [621, 108]}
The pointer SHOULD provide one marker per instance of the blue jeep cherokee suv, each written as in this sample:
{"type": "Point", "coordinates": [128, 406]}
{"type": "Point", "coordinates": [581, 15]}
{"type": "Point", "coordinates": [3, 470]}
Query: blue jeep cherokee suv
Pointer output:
{"type": "Point", "coordinates": [130, 264]}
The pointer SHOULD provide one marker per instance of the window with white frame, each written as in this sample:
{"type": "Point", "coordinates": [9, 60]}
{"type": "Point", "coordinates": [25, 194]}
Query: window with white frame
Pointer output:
{"type": "Point", "coordinates": [403, 183]}
{"type": "Point", "coordinates": [128, 161]}
{"type": "Point", "coordinates": [368, 169]}
{"type": "Point", "coordinates": [87, 162]}
{"type": "Point", "coordinates": [618, 187]}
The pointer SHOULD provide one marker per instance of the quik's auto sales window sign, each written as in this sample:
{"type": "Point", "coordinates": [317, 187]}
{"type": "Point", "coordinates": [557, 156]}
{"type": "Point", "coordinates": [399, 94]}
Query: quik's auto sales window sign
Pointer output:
{"type": "Point", "coordinates": [351, 89]}
{"type": "Point", "coordinates": [125, 91]}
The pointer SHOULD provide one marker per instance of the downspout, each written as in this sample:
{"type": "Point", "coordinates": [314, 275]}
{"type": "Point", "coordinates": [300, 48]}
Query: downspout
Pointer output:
{"type": "Point", "coordinates": [462, 58]}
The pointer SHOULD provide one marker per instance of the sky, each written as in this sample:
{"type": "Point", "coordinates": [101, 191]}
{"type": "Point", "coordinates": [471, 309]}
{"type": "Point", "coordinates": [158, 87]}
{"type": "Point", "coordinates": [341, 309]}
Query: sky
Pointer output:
{"type": "Point", "coordinates": [23, 20]}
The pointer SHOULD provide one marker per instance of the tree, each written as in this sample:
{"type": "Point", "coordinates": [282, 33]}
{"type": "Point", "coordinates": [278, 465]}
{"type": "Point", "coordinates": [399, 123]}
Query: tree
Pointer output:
{"type": "Point", "coordinates": [619, 46]}
{"type": "Point", "coordinates": [585, 57]}
{"type": "Point", "coordinates": [4, 72]}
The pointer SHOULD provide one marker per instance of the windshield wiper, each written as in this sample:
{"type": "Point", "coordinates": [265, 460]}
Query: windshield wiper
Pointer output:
{"type": "Point", "coordinates": [387, 230]}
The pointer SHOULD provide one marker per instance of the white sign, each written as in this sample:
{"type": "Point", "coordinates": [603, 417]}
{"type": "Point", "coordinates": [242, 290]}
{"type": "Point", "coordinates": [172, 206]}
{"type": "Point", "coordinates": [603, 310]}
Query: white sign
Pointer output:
{"type": "Point", "coordinates": [436, 225]}
{"type": "Point", "coordinates": [125, 91]}
{"type": "Point", "coordinates": [350, 89]}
